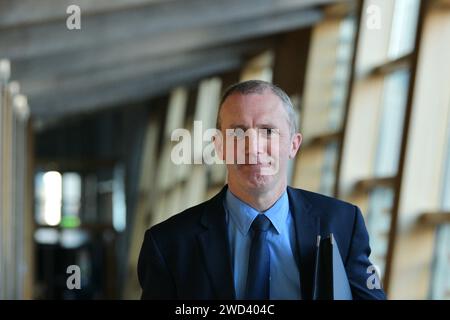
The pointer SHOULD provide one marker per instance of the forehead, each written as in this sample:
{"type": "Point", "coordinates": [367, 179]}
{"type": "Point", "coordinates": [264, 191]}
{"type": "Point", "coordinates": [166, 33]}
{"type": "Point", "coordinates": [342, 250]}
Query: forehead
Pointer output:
{"type": "Point", "coordinates": [252, 107]}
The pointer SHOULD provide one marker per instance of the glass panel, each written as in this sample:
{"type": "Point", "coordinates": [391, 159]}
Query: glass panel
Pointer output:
{"type": "Point", "coordinates": [342, 72]}
{"type": "Point", "coordinates": [403, 28]}
{"type": "Point", "coordinates": [378, 224]}
{"type": "Point", "coordinates": [391, 124]}
{"type": "Point", "coordinates": [446, 187]}
{"type": "Point", "coordinates": [118, 198]}
{"type": "Point", "coordinates": [440, 283]}
{"type": "Point", "coordinates": [176, 110]}
{"type": "Point", "coordinates": [48, 194]}
{"type": "Point", "coordinates": [440, 287]}
{"type": "Point", "coordinates": [323, 103]}
{"type": "Point", "coordinates": [260, 67]}
{"type": "Point", "coordinates": [71, 188]}
{"type": "Point", "coordinates": [39, 197]}
{"type": "Point", "coordinates": [329, 169]}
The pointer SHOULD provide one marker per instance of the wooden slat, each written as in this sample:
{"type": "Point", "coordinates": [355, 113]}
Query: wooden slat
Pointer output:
{"type": "Point", "coordinates": [290, 61]}
{"type": "Point", "coordinates": [322, 140]}
{"type": "Point", "coordinates": [366, 185]}
{"type": "Point", "coordinates": [434, 218]}
{"type": "Point", "coordinates": [391, 66]}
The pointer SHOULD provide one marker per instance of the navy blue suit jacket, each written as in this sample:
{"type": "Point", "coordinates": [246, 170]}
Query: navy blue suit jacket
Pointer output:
{"type": "Point", "coordinates": [188, 256]}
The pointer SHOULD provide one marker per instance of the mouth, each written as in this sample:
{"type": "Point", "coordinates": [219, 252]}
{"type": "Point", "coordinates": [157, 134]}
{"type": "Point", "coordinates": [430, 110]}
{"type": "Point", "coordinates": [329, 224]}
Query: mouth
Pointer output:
{"type": "Point", "coordinates": [255, 166]}
{"type": "Point", "coordinates": [259, 161]}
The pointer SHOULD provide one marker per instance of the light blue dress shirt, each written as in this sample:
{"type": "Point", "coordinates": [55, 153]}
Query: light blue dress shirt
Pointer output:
{"type": "Point", "coordinates": [284, 273]}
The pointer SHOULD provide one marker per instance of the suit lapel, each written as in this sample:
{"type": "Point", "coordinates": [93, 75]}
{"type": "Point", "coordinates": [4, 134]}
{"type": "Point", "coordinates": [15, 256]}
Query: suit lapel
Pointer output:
{"type": "Point", "coordinates": [215, 247]}
{"type": "Point", "coordinates": [307, 226]}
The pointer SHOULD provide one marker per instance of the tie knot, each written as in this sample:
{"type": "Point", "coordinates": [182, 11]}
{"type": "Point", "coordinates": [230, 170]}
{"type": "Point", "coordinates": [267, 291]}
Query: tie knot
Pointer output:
{"type": "Point", "coordinates": [261, 223]}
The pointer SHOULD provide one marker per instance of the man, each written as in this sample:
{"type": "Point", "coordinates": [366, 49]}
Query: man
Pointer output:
{"type": "Point", "coordinates": [256, 239]}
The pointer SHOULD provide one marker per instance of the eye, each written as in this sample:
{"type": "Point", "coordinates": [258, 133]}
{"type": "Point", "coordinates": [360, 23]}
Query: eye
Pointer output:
{"type": "Point", "coordinates": [267, 132]}
{"type": "Point", "coordinates": [237, 133]}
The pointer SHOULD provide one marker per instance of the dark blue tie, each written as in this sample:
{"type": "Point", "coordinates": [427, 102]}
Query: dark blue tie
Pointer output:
{"type": "Point", "coordinates": [258, 276]}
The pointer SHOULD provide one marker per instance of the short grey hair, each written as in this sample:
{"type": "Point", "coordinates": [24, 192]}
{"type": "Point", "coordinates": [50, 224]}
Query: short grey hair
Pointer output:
{"type": "Point", "coordinates": [259, 87]}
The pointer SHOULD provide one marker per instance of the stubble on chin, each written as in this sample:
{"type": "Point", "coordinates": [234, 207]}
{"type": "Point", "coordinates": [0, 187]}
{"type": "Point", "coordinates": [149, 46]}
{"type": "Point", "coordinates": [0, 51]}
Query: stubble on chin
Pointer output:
{"type": "Point", "coordinates": [254, 180]}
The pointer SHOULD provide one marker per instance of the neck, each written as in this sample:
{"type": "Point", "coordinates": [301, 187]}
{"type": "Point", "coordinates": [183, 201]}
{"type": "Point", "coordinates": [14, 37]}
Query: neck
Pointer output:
{"type": "Point", "coordinates": [258, 200]}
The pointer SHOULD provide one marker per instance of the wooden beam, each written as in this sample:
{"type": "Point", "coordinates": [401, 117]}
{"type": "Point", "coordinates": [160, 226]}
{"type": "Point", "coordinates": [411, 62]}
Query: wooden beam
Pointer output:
{"type": "Point", "coordinates": [290, 61]}
{"type": "Point", "coordinates": [125, 91]}
{"type": "Point", "coordinates": [402, 62]}
{"type": "Point", "coordinates": [30, 222]}
{"type": "Point", "coordinates": [31, 71]}
{"type": "Point", "coordinates": [91, 48]}
{"type": "Point", "coordinates": [72, 70]}
{"type": "Point", "coordinates": [434, 218]}
{"type": "Point", "coordinates": [367, 185]}
{"type": "Point", "coordinates": [35, 83]}
{"type": "Point", "coordinates": [119, 91]}
{"type": "Point", "coordinates": [26, 13]}
{"type": "Point", "coordinates": [440, 4]}
{"type": "Point", "coordinates": [15, 13]}
{"type": "Point", "coordinates": [322, 140]}
{"type": "Point", "coordinates": [73, 164]}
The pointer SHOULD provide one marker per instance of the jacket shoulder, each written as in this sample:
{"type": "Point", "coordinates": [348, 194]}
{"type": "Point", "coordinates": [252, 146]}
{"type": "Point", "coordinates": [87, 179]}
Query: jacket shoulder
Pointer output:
{"type": "Point", "coordinates": [180, 223]}
{"type": "Point", "coordinates": [331, 211]}
{"type": "Point", "coordinates": [323, 201]}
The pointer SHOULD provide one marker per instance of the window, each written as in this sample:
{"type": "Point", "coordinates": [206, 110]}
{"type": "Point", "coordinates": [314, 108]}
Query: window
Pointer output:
{"type": "Point", "coordinates": [391, 124]}
{"type": "Point", "coordinates": [440, 287]}
{"type": "Point", "coordinates": [404, 21]}
{"type": "Point", "coordinates": [48, 198]}
{"type": "Point", "coordinates": [378, 224]}
{"type": "Point", "coordinates": [323, 106]}
{"type": "Point", "coordinates": [440, 283]}
{"type": "Point", "coordinates": [71, 199]}
{"type": "Point", "coordinates": [369, 175]}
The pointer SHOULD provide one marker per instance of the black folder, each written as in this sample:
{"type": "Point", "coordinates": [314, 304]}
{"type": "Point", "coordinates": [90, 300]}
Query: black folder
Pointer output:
{"type": "Point", "coordinates": [330, 277]}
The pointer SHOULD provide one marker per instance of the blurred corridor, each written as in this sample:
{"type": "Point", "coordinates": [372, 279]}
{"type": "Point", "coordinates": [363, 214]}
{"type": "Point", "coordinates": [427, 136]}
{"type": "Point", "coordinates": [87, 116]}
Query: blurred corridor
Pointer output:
{"type": "Point", "coordinates": [90, 96]}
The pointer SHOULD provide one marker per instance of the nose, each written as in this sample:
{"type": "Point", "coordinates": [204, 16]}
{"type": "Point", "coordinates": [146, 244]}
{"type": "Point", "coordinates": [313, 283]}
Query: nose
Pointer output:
{"type": "Point", "coordinates": [253, 146]}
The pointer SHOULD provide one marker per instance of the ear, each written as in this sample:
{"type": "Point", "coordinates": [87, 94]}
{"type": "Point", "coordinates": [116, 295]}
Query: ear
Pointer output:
{"type": "Point", "coordinates": [218, 144]}
{"type": "Point", "coordinates": [296, 142]}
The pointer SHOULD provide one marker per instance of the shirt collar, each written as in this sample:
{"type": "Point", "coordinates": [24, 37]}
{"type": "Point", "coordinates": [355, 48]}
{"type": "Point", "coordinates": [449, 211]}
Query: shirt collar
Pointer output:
{"type": "Point", "coordinates": [243, 214]}
{"type": "Point", "coordinates": [278, 213]}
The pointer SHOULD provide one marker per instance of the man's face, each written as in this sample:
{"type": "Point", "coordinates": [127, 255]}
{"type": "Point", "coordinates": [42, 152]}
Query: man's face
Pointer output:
{"type": "Point", "coordinates": [266, 146]}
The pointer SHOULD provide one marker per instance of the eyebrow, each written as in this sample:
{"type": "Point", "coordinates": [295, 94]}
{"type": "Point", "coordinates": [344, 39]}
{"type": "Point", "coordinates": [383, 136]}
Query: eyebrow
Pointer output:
{"type": "Point", "coordinates": [260, 126]}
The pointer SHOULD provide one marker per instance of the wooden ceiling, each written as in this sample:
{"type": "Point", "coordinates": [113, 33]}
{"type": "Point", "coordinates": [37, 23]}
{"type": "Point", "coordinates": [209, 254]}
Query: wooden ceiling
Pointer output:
{"type": "Point", "coordinates": [128, 51]}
